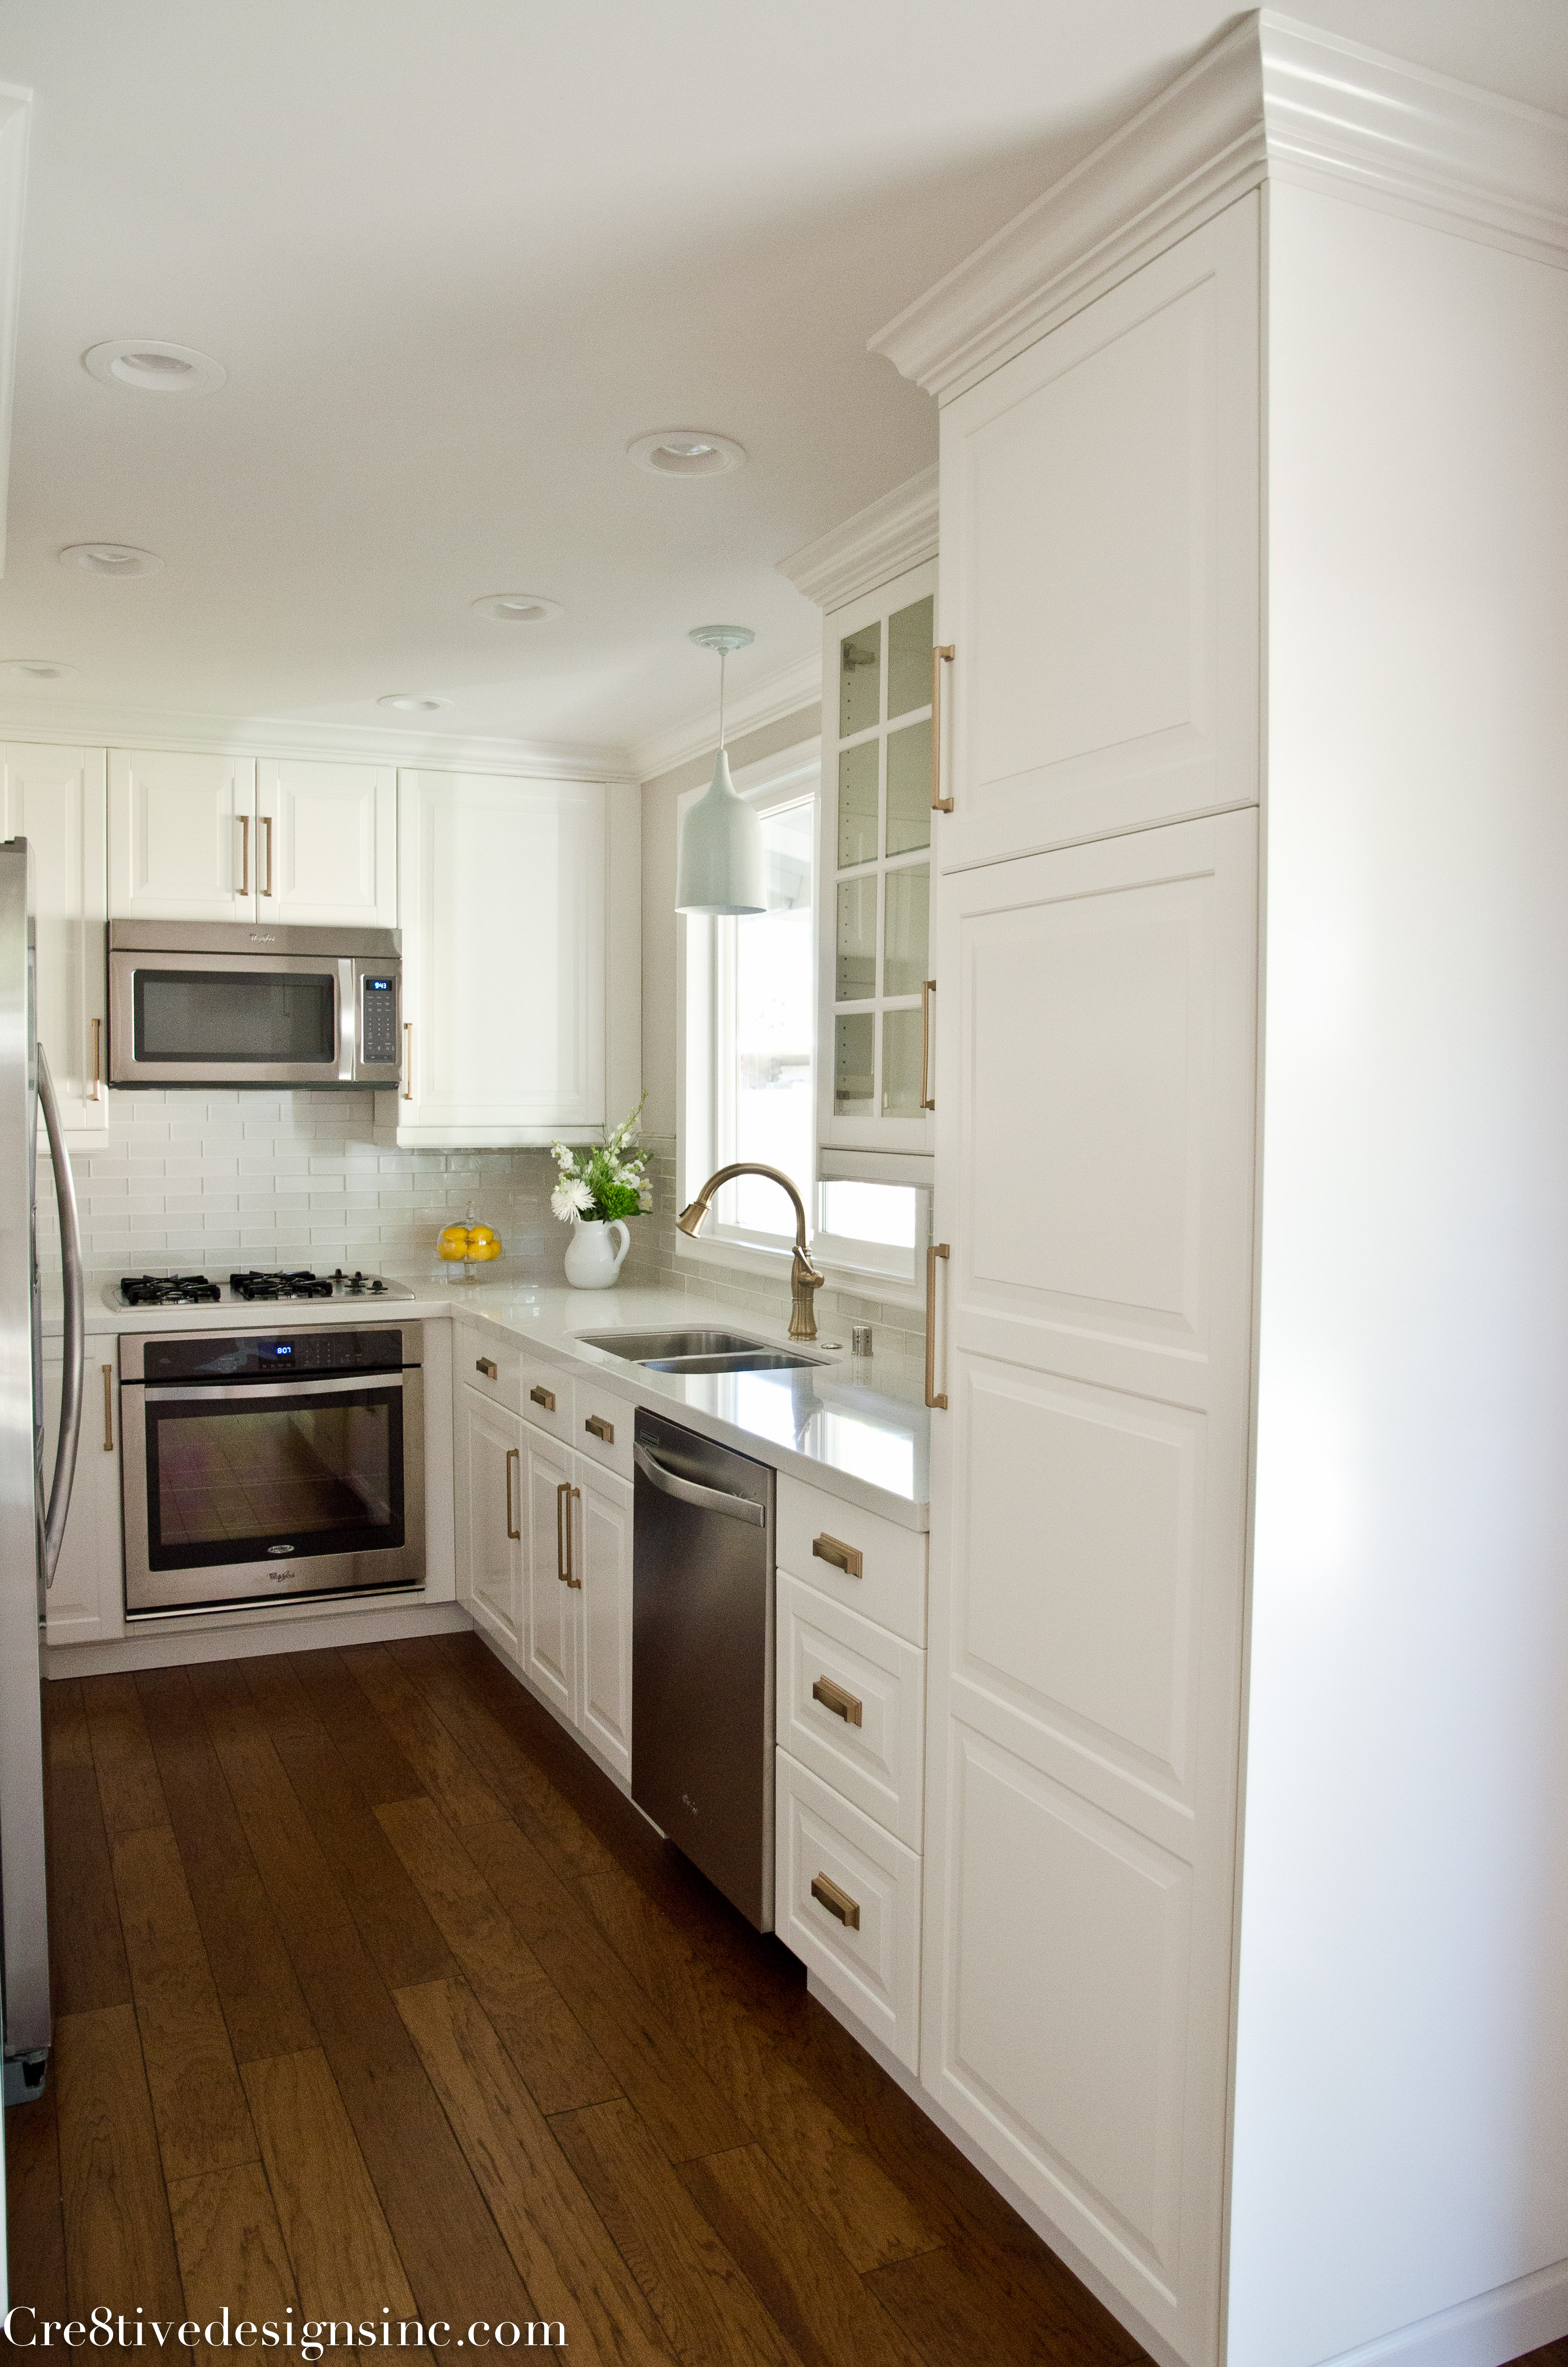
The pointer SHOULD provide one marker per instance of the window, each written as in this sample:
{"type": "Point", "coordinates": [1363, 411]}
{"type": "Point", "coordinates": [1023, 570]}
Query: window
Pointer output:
{"type": "Point", "coordinates": [748, 1083]}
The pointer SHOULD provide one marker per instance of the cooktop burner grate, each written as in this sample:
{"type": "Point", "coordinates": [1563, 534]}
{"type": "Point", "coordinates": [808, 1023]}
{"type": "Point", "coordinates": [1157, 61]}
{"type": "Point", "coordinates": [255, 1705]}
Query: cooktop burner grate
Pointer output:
{"type": "Point", "coordinates": [167, 1290]}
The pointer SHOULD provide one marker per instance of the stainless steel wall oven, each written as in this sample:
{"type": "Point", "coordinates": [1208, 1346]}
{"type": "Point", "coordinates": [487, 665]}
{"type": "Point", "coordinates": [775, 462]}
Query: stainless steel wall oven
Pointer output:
{"type": "Point", "coordinates": [271, 1465]}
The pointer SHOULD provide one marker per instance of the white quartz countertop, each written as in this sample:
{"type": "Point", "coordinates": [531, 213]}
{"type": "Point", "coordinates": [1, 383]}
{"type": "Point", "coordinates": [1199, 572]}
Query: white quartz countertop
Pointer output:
{"type": "Point", "coordinates": [855, 1426]}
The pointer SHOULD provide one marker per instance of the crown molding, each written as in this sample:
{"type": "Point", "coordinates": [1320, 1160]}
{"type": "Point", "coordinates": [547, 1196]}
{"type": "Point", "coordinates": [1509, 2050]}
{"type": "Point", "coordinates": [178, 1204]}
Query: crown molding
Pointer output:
{"type": "Point", "coordinates": [782, 694]}
{"type": "Point", "coordinates": [63, 723]}
{"type": "Point", "coordinates": [15, 110]}
{"type": "Point", "coordinates": [884, 540]}
{"type": "Point", "coordinates": [1271, 96]}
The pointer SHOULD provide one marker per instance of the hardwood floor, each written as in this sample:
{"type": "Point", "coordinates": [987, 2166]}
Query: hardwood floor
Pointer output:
{"type": "Point", "coordinates": [374, 1996]}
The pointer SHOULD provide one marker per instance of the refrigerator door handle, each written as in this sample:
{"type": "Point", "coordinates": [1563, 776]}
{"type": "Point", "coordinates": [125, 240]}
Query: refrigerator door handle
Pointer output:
{"type": "Point", "coordinates": [75, 1343]}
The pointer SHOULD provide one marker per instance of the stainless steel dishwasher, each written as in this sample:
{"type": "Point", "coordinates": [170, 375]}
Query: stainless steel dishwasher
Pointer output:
{"type": "Point", "coordinates": [702, 1657]}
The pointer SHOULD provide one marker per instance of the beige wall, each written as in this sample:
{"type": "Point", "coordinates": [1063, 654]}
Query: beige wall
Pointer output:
{"type": "Point", "coordinates": [659, 923]}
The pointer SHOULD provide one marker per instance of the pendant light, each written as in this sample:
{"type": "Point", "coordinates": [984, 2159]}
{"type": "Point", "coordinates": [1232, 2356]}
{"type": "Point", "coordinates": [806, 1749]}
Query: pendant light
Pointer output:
{"type": "Point", "coordinates": [722, 867]}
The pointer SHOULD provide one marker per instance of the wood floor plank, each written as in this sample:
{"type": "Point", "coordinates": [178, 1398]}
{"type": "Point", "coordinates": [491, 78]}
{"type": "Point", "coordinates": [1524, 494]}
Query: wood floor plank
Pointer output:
{"type": "Point", "coordinates": [260, 1996]}
{"type": "Point", "coordinates": [345, 2261]}
{"type": "Point", "coordinates": [369, 1749]}
{"type": "Point", "coordinates": [198, 2101]}
{"type": "Point", "coordinates": [87, 1952]}
{"type": "Point", "coordinates": [120, 2248]}
{"type": "Point", "coordinates": [560, 2065]}
{"type": "Point", "coordinates": [453, 2258]}
{"type": "Point", "coordinates": [231, 2250]}
{"type": "Point", "coordinates": [275, 1688]}
{"type": "Point", "coordinates": [445, 1770]}
{"type": "Point", "coordinates": [559, 2244]}
{"type": "Point", "coordinates": [962, 2302]}
{"type": "Point", "coordinates": [682, 2107]}
{"type": "Point", "coordinates": [128, 1773]}
{"type": "Point", "coordinates": [34, 2230]}
{"type": "Point", "coordinates": [808, 2286]}
{"type": "Point", "coordinates": [710, 2314]}
{"type": "Point", "coordinates": [299, 1882]}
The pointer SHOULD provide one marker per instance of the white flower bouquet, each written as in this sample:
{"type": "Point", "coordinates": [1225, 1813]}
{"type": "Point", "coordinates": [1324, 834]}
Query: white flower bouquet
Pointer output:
{"type": "Point", "coordinates": [603, 1180]}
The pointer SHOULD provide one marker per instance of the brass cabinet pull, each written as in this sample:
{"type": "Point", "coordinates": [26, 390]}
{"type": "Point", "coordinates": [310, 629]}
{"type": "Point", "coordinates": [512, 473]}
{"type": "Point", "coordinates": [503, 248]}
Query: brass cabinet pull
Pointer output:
{"type": "Point", "coordinates": [927, 988]}
{"type": "Point", "coordinates": [565, 1568]}
{"type": "Point", "coordinates": [244, 854]}
{"type": "Point", "coordinates": [541, 1396]}
{"type": "Point", "coordinates": [267, 826]}
{"type": "Point", "coordinates": [482, 1364]}
{"type": "Point", "coordinates": [837, 1902]}
{"type": "Point", "coordinates": [109, 1408]}
{"type": "Point", "coordinates": [842, 1557]}
{"type": "Point", "coordinates": [934, 1397]}
{"type": "Point", "coordinates": [939, 658]}
{"type": "Point", "coordinates": [514, 1455]}
{"type": "Point", "coordinates": [839, 1699]}
{"type": "Point", "coordinates": [408, 1059]}
{"type": "Point", "coordinates": [600, 1429]}
{"type": "Point", "coordinates": [97, 1093]}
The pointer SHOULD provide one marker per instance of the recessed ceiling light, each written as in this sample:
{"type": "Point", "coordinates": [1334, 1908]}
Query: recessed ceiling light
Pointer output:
{"type": "Point", "coordinates": [518, 608]}
{"type": "Point", "coordinates": [112, 558]}
{"type": "Point", "coordinates": [150, 366]}
{"type": "Point", "coordinates": [35, 669]}
{"type": "Point", "coordinates": [687, 452]}
{"type": "Point", "coordinates": [411, 702]}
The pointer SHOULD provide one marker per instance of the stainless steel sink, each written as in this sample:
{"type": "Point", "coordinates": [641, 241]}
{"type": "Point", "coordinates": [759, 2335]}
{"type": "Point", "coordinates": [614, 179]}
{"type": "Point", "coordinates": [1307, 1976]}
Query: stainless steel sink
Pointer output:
{"type": "Point", "coordinates": [696, 1352]}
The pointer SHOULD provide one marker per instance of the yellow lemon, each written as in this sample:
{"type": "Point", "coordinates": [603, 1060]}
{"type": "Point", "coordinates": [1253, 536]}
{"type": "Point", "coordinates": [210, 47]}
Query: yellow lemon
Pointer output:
{"type": "Point", "coordinates": [480, 1236]}
{"type": "Point", "coordinates": [453, 1242]}
{"type": "Point", "coordinates": [485, 1251]}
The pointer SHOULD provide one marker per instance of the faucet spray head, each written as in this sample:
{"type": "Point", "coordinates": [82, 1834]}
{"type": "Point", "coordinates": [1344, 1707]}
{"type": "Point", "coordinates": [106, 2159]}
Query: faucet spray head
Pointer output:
{"type": "Point", "coordinates": [691, 1215]}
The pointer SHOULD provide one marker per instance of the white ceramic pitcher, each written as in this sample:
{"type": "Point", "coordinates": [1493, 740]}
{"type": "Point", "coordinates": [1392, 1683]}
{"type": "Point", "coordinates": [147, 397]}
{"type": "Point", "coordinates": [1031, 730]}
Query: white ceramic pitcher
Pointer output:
{"type": "Point", "coordinates": [591, 1263]}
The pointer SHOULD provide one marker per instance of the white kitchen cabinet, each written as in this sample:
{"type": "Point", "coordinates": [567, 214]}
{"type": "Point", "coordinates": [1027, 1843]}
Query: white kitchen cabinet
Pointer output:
{"type": "Point", "coordinates": [326, 843]}
{"type": "Point", "coordinates": [54, 798]}
{"type": "Point", "coordinates": [217, 837]}
{"type": "Point", "coordinates": [1244, 1735]}
{"type": "Point", "coordinates": [602, 1558]}
{"type": "Point", "coordinates": [490, 1506]}
{"type": "Point", "coordinates": [86, 1601]}
{"type": "Point", "coordinates": [550, 1645]}
{"type": "Point", "coordinates": [521, 966]}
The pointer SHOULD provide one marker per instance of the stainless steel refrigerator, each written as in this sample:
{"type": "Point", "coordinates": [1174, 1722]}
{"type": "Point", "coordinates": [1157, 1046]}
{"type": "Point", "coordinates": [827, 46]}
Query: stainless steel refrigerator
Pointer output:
{"type": "Point", "coordinates": [32, 1519]}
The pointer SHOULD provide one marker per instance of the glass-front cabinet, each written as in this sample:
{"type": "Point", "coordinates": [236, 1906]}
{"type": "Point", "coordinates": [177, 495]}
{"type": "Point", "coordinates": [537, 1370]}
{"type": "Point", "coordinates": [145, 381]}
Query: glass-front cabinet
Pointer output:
{"type": "Point", "coordinates": [878, 985]}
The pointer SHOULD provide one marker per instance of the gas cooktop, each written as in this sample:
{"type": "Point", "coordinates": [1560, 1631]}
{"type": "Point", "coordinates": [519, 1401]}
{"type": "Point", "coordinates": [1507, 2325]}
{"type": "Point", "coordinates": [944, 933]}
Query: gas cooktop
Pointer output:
{"type": "Point", "coordinates": [252, 1287]}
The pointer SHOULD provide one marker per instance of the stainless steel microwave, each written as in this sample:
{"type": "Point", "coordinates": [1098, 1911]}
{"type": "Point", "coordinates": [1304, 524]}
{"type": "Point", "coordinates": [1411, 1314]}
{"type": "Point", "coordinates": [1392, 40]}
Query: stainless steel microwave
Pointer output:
{"type": "Point", "coordinates": [223, 1003]}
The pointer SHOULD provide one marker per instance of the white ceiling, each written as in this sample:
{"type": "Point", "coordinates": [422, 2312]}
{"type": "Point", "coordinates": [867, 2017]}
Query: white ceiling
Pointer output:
{"type": "Point", "coordinates": [455, 257]}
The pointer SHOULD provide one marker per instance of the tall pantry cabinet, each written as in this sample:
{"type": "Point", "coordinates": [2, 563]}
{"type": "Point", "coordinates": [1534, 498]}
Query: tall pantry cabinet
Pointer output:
{"type": "Point", "coordinates": [1248, 1771]}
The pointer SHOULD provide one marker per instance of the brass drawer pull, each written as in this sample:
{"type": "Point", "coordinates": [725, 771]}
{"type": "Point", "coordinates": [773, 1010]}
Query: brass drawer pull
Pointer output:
{"type": "Point", "coordinates": [837, 1902]}
{"type": "Point", "coordinates": [267, 826]}
{"type": "Point", "coordinates": [939, 658]}
{"type": "Point", "coordinates": [600, 1429]}
{"type": "Point", "coordinates": [839, 1699]}
{"type": "Point", "coordinates": [934, 1250]}
{"type": "Point", "coordinates": [514, 1455]}
{"type": "Point", "coordinates": [845, 1557]}
{"type": "Point", "coordinates": [566, 1496]}
{"type": "Point", "coordinates": [542, 1397]}
{"type": "Point", "coordinates": [482, 1364]}
{"type": "Point", "coordinates": [245, 854]}
{"type": "Point", "coordinates": [109, 1408]}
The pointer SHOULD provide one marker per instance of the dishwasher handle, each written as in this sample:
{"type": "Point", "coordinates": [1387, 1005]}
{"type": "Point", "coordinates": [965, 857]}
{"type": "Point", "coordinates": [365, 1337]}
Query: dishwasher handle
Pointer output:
{"type": "Point", "coordinates": [707, 1500]}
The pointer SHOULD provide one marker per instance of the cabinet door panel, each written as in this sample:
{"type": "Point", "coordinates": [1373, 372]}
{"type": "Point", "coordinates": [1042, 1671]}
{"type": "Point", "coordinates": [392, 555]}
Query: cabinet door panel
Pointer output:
{"type": "Point", "coordinates": [182, 837]}
{"type": "Point", "coordinates": [86, 1601]}
{"type": "Point", "coordinates": [1089, 1525]}
{"type": "Point", "coordinates": [504, 884]}
{"type": "Point", "coordinates": [1099, 566]}
{"type": "Point", "coordinates": [602, 1546]}
{"type": "Point", "coordinates": [327, 844]}
{"type": "Point", "coordinates": [490, 1503]}
{"type": "Point", "coordinates": [54, 798]}
{"type": "Point", "coordinates": [550, 1646]}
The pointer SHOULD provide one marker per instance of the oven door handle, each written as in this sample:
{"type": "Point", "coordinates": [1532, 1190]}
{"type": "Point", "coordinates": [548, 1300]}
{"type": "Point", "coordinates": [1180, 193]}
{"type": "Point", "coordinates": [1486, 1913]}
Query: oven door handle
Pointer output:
{"type": "Point", "coordinates": [271, 1392]}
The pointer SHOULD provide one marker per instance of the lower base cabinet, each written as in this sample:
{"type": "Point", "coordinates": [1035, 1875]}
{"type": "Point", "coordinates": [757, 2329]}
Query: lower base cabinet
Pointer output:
{"type": "Point", "coordinates": [545, 1566]}
{"type": "Point", "coordinates": [846, 1901]}
{"type": "Point", "coordinates": [86, 1602]}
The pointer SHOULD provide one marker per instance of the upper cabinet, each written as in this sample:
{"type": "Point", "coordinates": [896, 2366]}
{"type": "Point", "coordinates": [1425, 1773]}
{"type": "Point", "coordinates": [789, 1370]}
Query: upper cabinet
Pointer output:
{"type": "Point", "coordinates": [521, 957]}
{"type": "Point", "coordinates": [54, 798]}
{"type": "Point", "coordinates": [1108, 471]}
{"type": "Point", "coordinates": [198, 837]}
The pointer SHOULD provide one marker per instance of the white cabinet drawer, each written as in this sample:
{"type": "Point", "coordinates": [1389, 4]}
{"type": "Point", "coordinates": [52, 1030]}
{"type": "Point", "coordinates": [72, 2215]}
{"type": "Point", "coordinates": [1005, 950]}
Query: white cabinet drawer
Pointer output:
{"type": "Point", "coordinates": [868, 1564]}
{"type": "Point", "coordinates": [602, 1423]}
{"type": "Point", "coordinates": [487, 1364]}
{"type": "Point", "coordinates": [848, 1903]}
{"type": "Point", "coordinates": [546, 1399]}
{"type": "Point", "coordinates": [852, 1707]}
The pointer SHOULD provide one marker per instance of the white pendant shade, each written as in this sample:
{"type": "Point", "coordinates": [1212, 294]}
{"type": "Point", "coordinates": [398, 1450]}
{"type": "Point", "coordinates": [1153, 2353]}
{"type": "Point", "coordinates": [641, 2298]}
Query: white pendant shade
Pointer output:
{"type": "Point", "coordinates": [722, 867]}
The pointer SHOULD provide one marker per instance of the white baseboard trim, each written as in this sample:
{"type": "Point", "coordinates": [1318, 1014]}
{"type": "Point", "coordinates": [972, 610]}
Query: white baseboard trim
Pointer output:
{"type": "Point", "coordinates": [1030, 2212]}
{"type": "Point", "coordinates": [1485, 2331]}
{"type": "Point", "coordinates": [493, 1644]}
{"type": "Point", "coordinates": [161, 1647]}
